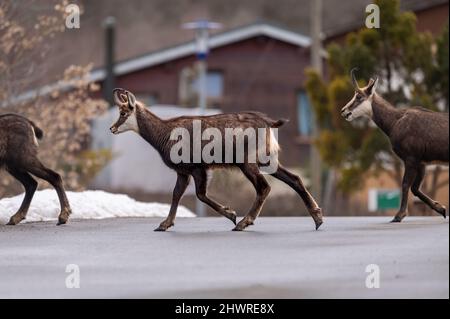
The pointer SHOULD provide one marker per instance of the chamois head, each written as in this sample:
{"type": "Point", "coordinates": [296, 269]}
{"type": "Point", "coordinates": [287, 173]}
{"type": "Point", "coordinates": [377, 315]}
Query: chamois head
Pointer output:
{"type": "Point", "coordinates": [361, 103]}
{"type": "Point", "coordinates": [126, 102]}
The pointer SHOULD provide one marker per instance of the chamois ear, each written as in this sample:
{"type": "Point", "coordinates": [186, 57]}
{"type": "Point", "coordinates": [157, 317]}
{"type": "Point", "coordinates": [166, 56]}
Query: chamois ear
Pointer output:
{"type": "Point", "coordinates": [353, 77]}
{"type": "Point", "coordinates": [131, 99]}
{"type": "Point", "coordinates": [119, 97]}
{"type": "Point", "coordinates": [372, 86]}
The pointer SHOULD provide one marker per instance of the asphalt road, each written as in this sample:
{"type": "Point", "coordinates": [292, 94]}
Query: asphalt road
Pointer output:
{"type": "Point", "coordinates": [202, 258]}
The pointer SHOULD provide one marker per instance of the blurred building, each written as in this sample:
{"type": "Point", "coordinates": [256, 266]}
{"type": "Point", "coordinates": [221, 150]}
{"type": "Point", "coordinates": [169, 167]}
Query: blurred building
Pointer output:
{"type": "Point", "coordinates": [257, 66]}
{"type": "Point", "coordinates": [145, 26]}
{"type": "Point", "coordinates": [253, 65]}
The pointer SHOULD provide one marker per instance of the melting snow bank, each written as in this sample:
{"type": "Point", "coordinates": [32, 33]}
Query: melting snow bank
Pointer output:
{"type": "Point", "coordinates": [86, 205]}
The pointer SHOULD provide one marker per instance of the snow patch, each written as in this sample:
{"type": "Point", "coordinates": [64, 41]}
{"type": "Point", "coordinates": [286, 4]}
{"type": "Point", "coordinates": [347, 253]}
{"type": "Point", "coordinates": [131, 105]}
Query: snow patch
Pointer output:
{"type": "Point", "coordinates": [85, 205]}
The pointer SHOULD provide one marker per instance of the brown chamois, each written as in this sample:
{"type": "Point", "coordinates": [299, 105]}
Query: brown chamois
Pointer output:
{"type": "Point", "coordinates": [136, 117]}
{"type": "Point", "coordinates": [18, 155]}
{"type": "Point", "coordinates": [417, 135]}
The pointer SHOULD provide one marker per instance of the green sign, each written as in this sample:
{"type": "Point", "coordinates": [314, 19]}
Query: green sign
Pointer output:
{"type": "Point", "coordinates": [388, 199]}
{"type": "Point", "coordinates": [383, 199]}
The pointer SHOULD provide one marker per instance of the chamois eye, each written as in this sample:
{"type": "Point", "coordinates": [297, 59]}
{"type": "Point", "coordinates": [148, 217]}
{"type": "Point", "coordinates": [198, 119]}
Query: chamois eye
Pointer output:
{"type": "Point", "coordinates": [123, 113]}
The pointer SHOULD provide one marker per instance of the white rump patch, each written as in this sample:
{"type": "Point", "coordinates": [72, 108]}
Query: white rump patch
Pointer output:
{"type": "Point", "coordinates": [35, 140]}
{"type": "Point", "coordinates": [274, 146]}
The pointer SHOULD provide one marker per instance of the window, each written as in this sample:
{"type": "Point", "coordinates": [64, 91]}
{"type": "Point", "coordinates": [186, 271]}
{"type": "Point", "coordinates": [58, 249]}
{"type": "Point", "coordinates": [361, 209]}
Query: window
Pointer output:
{"type": "Point", "coordinates": [188, 88]}
{"type": "Point", "coordinates": [304, 114]}
{"type": "Point", "coordinates": [214, 85]}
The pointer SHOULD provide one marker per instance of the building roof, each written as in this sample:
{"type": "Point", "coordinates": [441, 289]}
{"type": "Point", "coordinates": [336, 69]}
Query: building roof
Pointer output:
{"type": "Point", "coordinates": [183, 50]}
{"type": "Point", "coordinates": [83, 46]}
{"type": "Point", "coordinates": [215, 41]}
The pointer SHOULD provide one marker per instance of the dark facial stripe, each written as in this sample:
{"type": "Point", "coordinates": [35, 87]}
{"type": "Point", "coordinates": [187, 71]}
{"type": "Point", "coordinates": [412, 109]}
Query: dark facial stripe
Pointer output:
{"type": "Point", "coordinates": [120, 121]}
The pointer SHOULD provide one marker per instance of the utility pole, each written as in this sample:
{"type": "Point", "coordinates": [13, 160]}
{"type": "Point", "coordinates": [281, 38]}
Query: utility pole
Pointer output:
{"type": "Point", "coordinates": [202, 28]}
{"type": "Point", "coordinates": [109, 25]}
{"type": "Point", "coordinates": [316, 63]}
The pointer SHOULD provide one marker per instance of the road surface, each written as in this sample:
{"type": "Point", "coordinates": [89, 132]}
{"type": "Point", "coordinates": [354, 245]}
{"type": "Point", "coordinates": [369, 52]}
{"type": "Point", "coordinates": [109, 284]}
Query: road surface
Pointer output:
{"type": "Point", "coordinates": [202, 258]}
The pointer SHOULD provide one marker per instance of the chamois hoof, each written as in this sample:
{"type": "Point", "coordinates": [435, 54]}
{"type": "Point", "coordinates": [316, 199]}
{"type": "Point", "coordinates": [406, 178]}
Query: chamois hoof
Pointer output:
{"type": "Point", "coordinates": [243, 224]}
{"type": "Point", "coordinates": [396, 220]}
{"type": "Point", "coordinates": [163, 227]}
{"type": "Point", "coordinates": [238, 228]}
{"type": "Point", "coordinates": [442, 211]}
{"type": "Point", "coordinates": [231, 215]}
{"type": "Point", "coordinates": [317, 216]}
{"type": "Point", "coordinates": [318, 224]}
{"type": "Point", "coordinates": [64, 216]}
{"type": "Point", "coordinates": [14, 220]}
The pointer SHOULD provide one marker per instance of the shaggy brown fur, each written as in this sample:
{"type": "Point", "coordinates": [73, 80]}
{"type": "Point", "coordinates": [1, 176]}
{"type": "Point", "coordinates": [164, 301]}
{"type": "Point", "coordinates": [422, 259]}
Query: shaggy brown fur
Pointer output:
{"type": "Point", "coordinates": [417, 135]}
{"type": "Point", "coordinates": [135, 116]}
{"type": "Point", "coordinates": [18, 155]}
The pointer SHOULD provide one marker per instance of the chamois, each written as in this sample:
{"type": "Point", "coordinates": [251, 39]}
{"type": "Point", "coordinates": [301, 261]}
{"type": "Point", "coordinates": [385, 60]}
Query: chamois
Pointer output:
{"type": "Point", "coordinates": [418, 137]}
{"type": "Point", "coordinates": [18, 155]}
{"type": "Point", "coordinates": [134, 116]}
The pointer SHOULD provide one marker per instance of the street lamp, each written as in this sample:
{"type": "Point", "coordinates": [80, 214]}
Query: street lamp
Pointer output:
{"type": "Point", "coordinates": [201, 28]}
{"type": "Point", "coordinates": [316, 61]}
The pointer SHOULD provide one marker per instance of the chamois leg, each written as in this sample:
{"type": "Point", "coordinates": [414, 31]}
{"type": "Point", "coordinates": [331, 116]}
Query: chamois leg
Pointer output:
{"type": "Point", "coordinates": [296, 183]}
{"type": "Point", "coordinates": [178, 191]}
{"type": "Point", "coordinates": [39, 170]}
{"type": "Point", "coordinates": [30, 186]}
{"type": "Point", "coordinates": [415, 188]}
{"type": "Point", "coordinates": [408, 179]}
{"type": "Point", "coordinates": [201, 185]}
{"type": "Point", "coordinates": [251, 171]}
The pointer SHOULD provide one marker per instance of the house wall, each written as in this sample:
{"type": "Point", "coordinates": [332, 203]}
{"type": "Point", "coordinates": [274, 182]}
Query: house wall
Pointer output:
{"type": "Point", "coordinates": [431, 20]}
